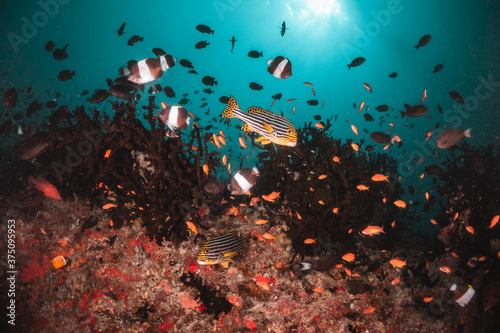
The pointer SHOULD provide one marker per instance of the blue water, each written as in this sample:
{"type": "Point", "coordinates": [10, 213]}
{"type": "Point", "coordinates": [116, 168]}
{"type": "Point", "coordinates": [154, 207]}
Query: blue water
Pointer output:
{"type": "Point", "coordinates": [323, 37]}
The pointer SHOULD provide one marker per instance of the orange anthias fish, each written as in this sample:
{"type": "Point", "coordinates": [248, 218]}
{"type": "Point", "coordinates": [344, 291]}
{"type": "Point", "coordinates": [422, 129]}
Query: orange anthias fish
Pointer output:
{"type": "Point", "coordinates": [398, 263]}
{"type": "Point", "coordinates": [494, 221]}
{"type": "Point", "coordinates": [372, 230]}
{"type": "Point", "coordinates": [379, 178]}
{"type": "Point", "coordinates": [44, 186]}
{"type": "Point", "coordinates": [192, 227]}
{"type": "Point", "coordinates": [400, 203]}
{"type": "Point", "coordinates": [354, 129]}
{"type": "Point", "coordinates": [445, 269]}
{"type": "Point", "coordinates": [355, 146]}
{"type": "Point", "coordinates": [309, 241]}
{"type": "Point", "coordinates": [336, 159]}
{"type": "Point", "coordinates": [370, 310]}
{"type": "Point", "coordinates": [362, 187]}
{"type": "Point", "coordinates": [349, 257]}
{"type": "Point", "coordinates": [396, 281]}
{"type": "Point", "coordinates": [361, 106]}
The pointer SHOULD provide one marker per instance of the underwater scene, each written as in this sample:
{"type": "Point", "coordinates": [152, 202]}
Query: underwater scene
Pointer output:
{"type": "Point", "coordinates": [250, 166]}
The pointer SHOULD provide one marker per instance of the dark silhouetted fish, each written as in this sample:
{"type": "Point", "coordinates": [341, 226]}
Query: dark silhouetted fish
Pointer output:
{"type": "Point", "coordinates": [192, 71]}
{"type": "Point", "coordinates": [134, 39]}
{"type": "Point", "coordinates": [451, 137]}
{"type": "Point", "coordinates": [368, 117]}
{"type": "Point", "coordinates": [317, 117]}
{"type": "Point", "coordinates": [283, 28]}
{"type": "Point", "coordinates": [232, 40]}
{"type": "Point", "coordinates": [120, 91]}
{"type": "Point", "coordinates": [84, 93]}
{"type": "Point", "coordinates": [437, 68]}
{"type": "Point", "coordinates": [208, 91]}
{"type": "Point", "coordinates": [202, 44]}
{"type": "Point", "coordinates": [423, 41]}
{"type": "Point", "coordinates": [277, 96]}
{"type": "Point", "coordinates": [280, 67]}
{"type": "Point", "coordinates": [109, 82]}
{"type": "Point", "coordinates": [382, 108]}
{"type": "Point", "coordinates": [60, 54]}
{"type": "Point", "coordinates": [99, 96]}
{"type": "Point", "coordinates": [49, 46]}
{"type": "Point", "coordinates": [122, 27]}
{"type": "Point", "coordinates": [209, 81]}
{"type": "Point", "coordinates": [59, 115]}
{"type": "Point", "coordinates": [414, 111]}
{"type": "Point", "coordinates": [65, 75]}
{"type": "Point", "coordinates": [155, 88]}
{"type": "Point", "coordinates": [51, 104]}
{"type": "Point", "coordinates": [457, 97]}
{"type": "Point", "coordinates": [312, 102]}
{"type": "Point", "coordinates": [33, 107]}
{"type": "Point", "coordinates": [10, 98]}
{"type": "Point", "coordinates": [186, 63]}
{"type": "Point", "coordinates": [255, 54]}
{"type": "Point", "coordinates": [380, 137]}
{"type": "Point", "coordinates": [203, 105]}
{"type": "Point", "coordinates": [204, 29]}
{"type": "Point", "coordinates": [33, 146]}
{"type": "Point", "coordinates": [183, 101]}
{"type": "Point", "coordinates": [224, 99]}
{"type": "Point", "coordinates": [169, 92]}
{"type": "Point", "coordinates": [255, 86]}
{"type": "Point", "coordinates": [434, 170]}
{"type": "Point", "coordinates": [393, 75]}
{"type": "Point", "coordinates": [356, 62]}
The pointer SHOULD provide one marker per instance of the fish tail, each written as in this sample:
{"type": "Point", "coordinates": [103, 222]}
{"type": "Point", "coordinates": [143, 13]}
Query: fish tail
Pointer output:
{"type": "Point", "coordinates": [467, 133]}
{"type": "Point", "coordinates": [349, 66]}
{"type": "Point", "coordinates": [403, 114]}
{"type": "Point", "coordinates": [229, 110]}
{"type": "Point", "coordinates": [417, 47]}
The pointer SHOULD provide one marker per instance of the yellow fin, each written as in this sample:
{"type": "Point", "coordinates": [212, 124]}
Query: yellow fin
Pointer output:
{"type": "Point", "coordinates": [231, 106]}
{"type": "Point", "coordinates": [230, 254]}
{"type": "Point", "coordinates": [225, 264]}
{"type": "Point", "coordinates": [246, 128]}
{"type": "Point", "coordinates": [268, 127]}
{"type": "Point", "coordinates": [254, 109]}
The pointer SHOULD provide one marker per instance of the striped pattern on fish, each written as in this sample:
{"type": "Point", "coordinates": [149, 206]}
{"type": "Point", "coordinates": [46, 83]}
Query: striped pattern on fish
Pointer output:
{"type": "Point", "coordinates": [220, 250]}
{"type": "Point", "coordinates": [274, 128]}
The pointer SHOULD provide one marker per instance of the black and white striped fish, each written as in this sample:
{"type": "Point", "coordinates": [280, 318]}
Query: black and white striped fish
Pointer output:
{"type": "Point", "coordinates": [280, 67]}
{"type": "Point", "coordinates": [220, 250]}
{"type": "Point", "coordinates": [272, 127]}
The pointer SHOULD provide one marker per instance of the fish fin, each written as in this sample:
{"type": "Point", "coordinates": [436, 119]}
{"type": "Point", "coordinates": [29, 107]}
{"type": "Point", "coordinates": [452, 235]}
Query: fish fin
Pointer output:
{"type": "Point", "coordinates": [417, 46]}
{"type": "Point", "coordinates": [246, 128]}
{"type": "Point", "coordinates": [231, 106]}
{"type": "Point", "coordinates": [225, 264]}
{"type": "Point", "coordinates": [268, 127]}
{"type": "Point", "coordinates": [229, 255]}
{"type": "Point", "coordinates": [254, 109]}
{"type": "Point", "coordinates": [262, 138]}
{"type": "Point", "coordinates": [403, 114]}
{"type": "Point", "coordinates": [467, 133]}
